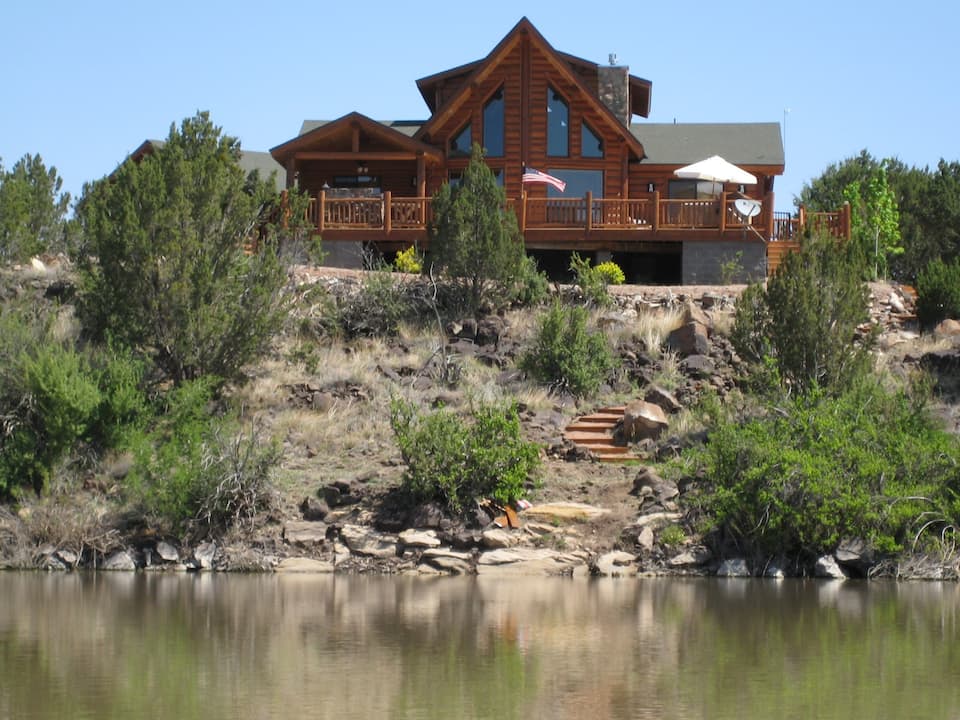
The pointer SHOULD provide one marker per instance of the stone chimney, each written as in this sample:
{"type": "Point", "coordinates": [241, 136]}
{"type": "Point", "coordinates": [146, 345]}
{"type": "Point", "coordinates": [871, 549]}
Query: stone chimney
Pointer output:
{"type": "Point", "coordinates": [613, 88]}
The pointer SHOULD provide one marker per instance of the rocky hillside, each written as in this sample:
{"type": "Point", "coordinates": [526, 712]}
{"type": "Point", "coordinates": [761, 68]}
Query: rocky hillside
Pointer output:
{"type": "Point", "coordinates": [335, 507]}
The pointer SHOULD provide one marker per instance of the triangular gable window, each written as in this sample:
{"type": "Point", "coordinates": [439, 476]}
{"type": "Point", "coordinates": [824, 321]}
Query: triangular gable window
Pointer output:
{"type": "Point", "coordinates": [461, 142]}
{"type": "Point", "coordinates": [591, 145]}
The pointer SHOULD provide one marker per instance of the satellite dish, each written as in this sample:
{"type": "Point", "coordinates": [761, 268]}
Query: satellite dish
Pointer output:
{"type": "Point", "coordinates": [746, 208]}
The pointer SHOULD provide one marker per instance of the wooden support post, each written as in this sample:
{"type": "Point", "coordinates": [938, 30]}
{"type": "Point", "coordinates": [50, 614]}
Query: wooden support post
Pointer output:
{"type": "Point", "coordinates": [291, 171]}
{"type": "Point", "coordinates": [723, 212]}
{"type": "Point", "coordinates": [421, 176]}
{"type": "Point", "coordinates": [768, 208]}
{"type": "Point", "coordinates": [589, 199]}
{"type": "Point", "coordinates": [387, 212]}
{"type": "Point", "coordinates": [845, 221]}
{"type": "Point", "coordinates": [801, 219]}
{"type": "Point", "coordinates": [523, 211]}
{"type": "Point", "coordinates": [656, 210]}
{"type": "Point", "coordinates": [321, 210]}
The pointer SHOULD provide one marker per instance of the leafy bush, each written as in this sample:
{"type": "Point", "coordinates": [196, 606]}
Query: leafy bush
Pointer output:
{"type": "Point", "coordinates": [197, 471]}
{"type": "Point", "coordinates": [815, 469]}
{"type": "Point", "coordinates": [592, 284]}
{"type": "Point", "coordinates": [566, 355]}
{"type": "Point", "coordinates": [408, 261]}
{"type": "Point", "coordinates": [379, 306]}
{"type": "Point", "coordinates": [938, 292]}
{"type": "Point", "coordinates": [611, 273]}
{"type": "Point", "coordinates": [807, 317]}
{"type": "Point", "coordinates": [454, 461]}
{"type": "Point", "coordinates": [532, 286]}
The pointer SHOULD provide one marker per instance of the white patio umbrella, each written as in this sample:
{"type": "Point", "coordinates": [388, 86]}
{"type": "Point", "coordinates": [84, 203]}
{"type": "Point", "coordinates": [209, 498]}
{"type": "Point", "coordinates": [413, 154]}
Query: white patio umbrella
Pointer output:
{"type": "Point", "coordinates": [716, 170]}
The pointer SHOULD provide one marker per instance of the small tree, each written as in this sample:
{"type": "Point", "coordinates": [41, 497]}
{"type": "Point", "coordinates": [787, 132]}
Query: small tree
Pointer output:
{"type": "Point", "coordinates": [875, 219]}
{"type": "Point", "coordinates": [475, 238]}
{"type": "Point", "coordinates": [170, 274]}
{"type": "Point", "coordinates": [807, 317]}
{"type": "Point", "coordinates": [32, 209]}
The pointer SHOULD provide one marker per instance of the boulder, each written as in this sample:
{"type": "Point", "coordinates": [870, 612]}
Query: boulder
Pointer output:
{"type": "Point", "coordinates": [691, 557]}
{"type": "Point", "coordinates": [693, 313]}
{"type": "Point", "coordinates": [689, 339]}
{"type": "Point", "coordinates": [167, 552]}
{"type": "Point", "coordinates": [204, 555]}
{"type": "Point", "coordinates": [648, 484]}
{"type": "Point", "coordinates": [529, 561]}
{"type": "Point", "coordinates": [645, 539]}
{"type": "Point", "coordinates": [734, 567]}
{"type": "Point", "coordinates": [774, 572]}
{"type": "Point", "coordinates": [896, 304]}
{"type": "Point", "coordinates": [427, 515]}
{"type": "Point", "coordinates": [304, 565]}
{"type": "Point", "coordinates": [663, 398]}
{"type": "Point", "coordinates": [947, 328]}
{"type": "Point", "coordinates": [120, 560]}
{"type": "Point", "coordinates": [368, 542]}
{"type": "Point", "coordinates": [490, 329]}
{"type": "Point", "coordinates": [614, 564]}
{"type": "Point", "coordinates": [855, 554]}
{"type": "Point", "coordinates": [561, 511]}
{"type": "Point", "coordinates": [451, 561]}
{"type": "Point", "coordinates": [827, 568]}
{"type": "Point", "coordinates": [495, 538]}
{"type": "Point", "coordinates": [313, 509]}
{"type": "Point", "coordinates": [68, 557]}
{"type": "Point", "coordinates": [643, 420]}
{"type": "Point", "coordinates": [698, 367]}
{"type": "Point", "coordinates": [305, 533]}
{"type": "Point", "coordinates": [413, 538]}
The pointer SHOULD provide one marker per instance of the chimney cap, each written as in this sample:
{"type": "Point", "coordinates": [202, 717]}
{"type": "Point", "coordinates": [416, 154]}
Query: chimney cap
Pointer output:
{"type": "Point", "coordinates": [612, 58]}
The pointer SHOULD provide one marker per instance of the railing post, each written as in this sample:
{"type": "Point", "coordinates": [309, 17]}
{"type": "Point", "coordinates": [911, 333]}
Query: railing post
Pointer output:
{"type": "Point", "coordinates": [656, 210]}
{"type": "Point", "coordinates": [723, 212]}
{"type": "Point", "coordinates": [321, 210]}
{"type": "Point", "coordinates": [802, 218]}
{"type": "Point", "coordinates": [387, 212]}
{"type": "Point", "coordinates": [589, 199]}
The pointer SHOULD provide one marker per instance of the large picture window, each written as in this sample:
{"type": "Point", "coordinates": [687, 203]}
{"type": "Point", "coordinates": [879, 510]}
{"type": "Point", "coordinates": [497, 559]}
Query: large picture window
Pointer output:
{"type": "Point", "coordinates": [558, 125]}
{"type": "Point", "coordinates": [493, 125]}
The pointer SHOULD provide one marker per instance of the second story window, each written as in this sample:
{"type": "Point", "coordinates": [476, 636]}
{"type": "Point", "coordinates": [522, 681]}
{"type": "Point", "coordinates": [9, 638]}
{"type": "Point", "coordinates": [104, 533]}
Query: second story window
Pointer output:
{"type": "Point", "coordinates": [460, 143]}
{"type": "Point", "coordinates": [558, 125]}
{"type": "Point", "coordinates": [493, 125]}
{"type": "Point", "coordinates": [591, 146]}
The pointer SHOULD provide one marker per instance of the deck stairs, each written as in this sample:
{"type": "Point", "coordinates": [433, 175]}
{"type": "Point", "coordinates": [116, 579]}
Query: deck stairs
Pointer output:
{"type": "Point", "coordinates": [594, 432]}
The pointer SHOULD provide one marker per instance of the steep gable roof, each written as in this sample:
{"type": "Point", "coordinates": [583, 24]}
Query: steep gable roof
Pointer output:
{"type": "Point", "coordinates": [479, 71]}
{"type": "Point", "coordinates": [337, 130]}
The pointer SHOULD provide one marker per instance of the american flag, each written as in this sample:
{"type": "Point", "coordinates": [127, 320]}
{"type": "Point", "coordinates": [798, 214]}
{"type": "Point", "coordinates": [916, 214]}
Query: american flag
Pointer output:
{"type": "Point", "coordinates": [535, 176]}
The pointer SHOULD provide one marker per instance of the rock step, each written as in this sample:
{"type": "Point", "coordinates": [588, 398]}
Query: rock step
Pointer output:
{"type": "Point", "coordinates": [594, 433]}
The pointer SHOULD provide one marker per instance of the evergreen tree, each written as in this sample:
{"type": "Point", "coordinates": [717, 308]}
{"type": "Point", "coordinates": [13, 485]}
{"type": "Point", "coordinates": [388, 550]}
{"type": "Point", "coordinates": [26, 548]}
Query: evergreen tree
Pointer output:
{"type": "Point", "coordinates": [169, 274]}
{"type": "Point", "coordinates": [32, 209]}
{"type": "Point", "coordinates": [475, 238]}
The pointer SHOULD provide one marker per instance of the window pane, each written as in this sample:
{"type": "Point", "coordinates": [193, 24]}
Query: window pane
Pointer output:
{"type": "Point", "coordinates": [578, 182]}
{"type": "Point", "coordinates": [591, 146]}
{"type": "Point", "coordinates": [460, 144]}
{"type": "Point", "coordinates": [493, 125]}
{"type": "Point", "coordinates": [558, 125]}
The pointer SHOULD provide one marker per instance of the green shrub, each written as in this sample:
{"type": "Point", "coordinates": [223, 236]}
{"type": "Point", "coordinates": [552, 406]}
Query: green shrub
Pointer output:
{"type": "Point", "coordinates": [408, 261]}
{"type": "Point", "coordinates": [592, 284]}
{"type": "Point", "coordinates": [566, 355]}
{"type": "Point", "coordinates": [197, 471]}
{"type": "Point", "coordinates": [454, 460]}
{"type": "Point", "coordinates": [532, 286]}
{"type": "Point", "coordinates": [611, 273]}
{"type": "Point", "coordinates": [815, 469]}
{"type": "Point", "coordinates": [807, 318]}
{"type": "Point", "coordinates": [938, 292]}
{"type": "Point", "coordinates": [377, 308]}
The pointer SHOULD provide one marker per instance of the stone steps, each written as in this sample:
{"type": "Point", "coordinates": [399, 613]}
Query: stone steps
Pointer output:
{"type": "Point", "coordinates": [594, 433]}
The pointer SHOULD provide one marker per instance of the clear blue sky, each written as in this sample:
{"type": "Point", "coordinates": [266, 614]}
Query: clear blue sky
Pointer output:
{"type": "Point", "coordinates": [83, 83]}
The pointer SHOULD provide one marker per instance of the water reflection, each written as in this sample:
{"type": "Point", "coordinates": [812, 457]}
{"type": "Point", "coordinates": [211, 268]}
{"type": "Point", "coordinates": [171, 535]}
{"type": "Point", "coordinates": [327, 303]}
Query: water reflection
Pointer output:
{"type": "Point", "coordinates": [172, 646]}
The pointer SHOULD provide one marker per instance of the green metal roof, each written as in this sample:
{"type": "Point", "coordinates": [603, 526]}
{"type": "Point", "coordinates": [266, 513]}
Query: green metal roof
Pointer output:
{"type": "Point", "coordinates": [685, 143]}
{"type": "Point", "coordinates": [407, 127]}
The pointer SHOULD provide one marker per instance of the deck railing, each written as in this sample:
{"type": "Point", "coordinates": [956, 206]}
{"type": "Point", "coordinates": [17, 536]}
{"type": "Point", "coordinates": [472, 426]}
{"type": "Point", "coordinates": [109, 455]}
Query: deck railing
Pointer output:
{"type": "Point", "coordinates": [388, 213]}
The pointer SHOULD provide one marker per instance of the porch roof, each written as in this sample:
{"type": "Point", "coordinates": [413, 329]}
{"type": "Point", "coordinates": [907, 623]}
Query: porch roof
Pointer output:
{"type": "Point", "coordinates": [750, 144]}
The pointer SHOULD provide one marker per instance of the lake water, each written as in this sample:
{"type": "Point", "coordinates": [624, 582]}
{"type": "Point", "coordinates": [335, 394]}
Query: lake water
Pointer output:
{"type": "Point", "coordinates": [214, 646]}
